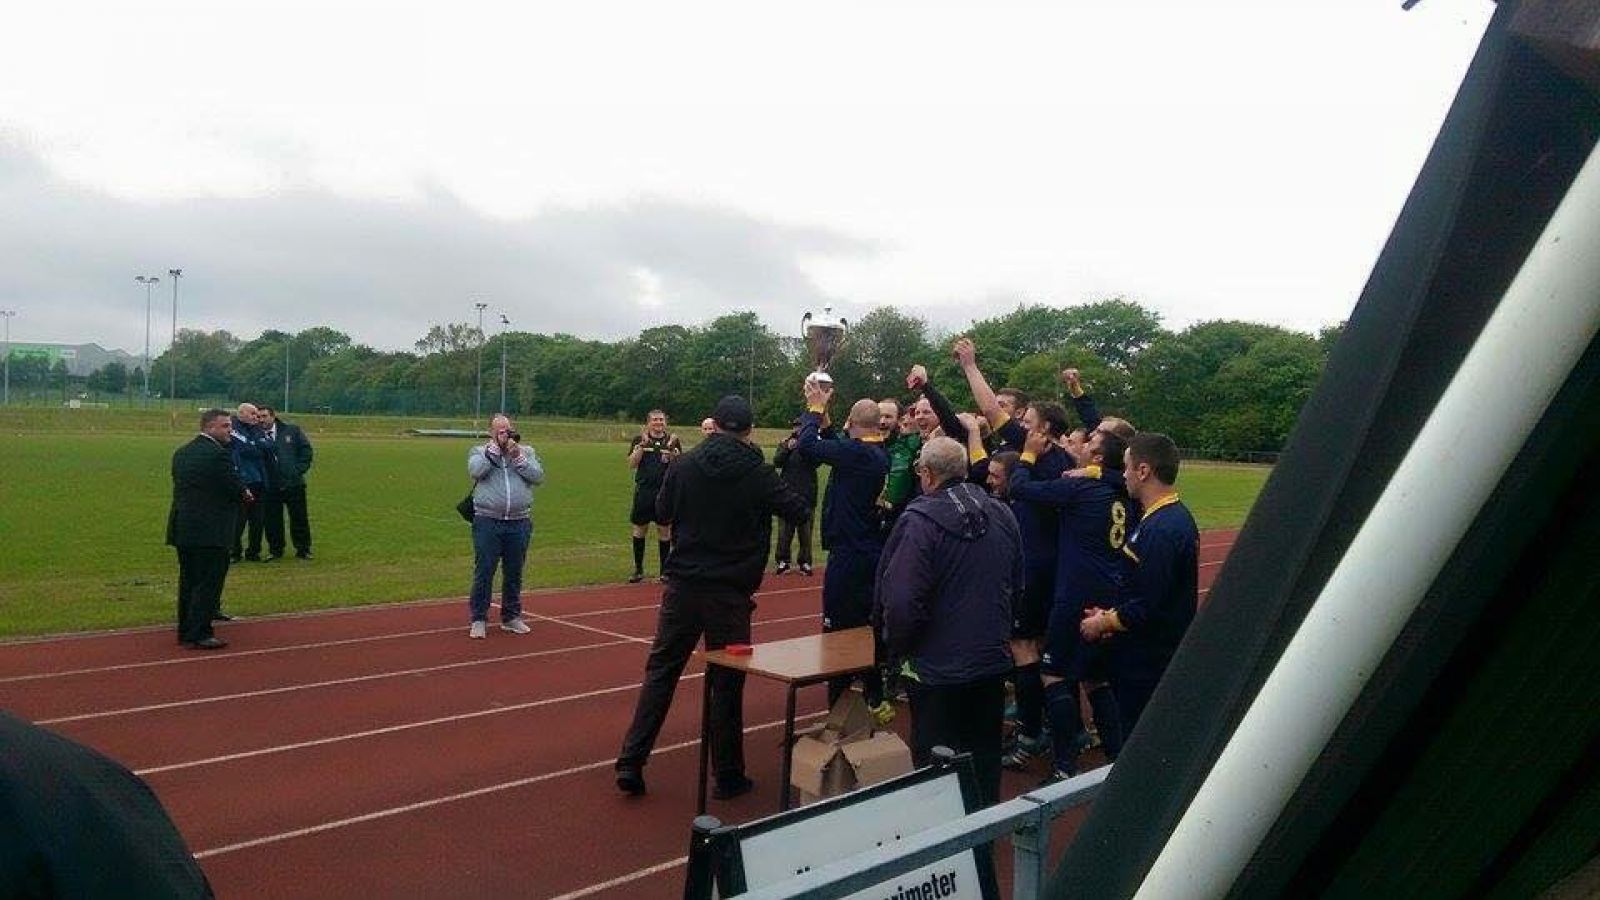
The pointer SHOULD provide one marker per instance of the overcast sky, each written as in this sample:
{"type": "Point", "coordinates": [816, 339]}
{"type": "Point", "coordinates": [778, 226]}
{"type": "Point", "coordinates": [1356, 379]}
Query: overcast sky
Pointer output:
{"type": "Point", "coordinates": [600, 167]}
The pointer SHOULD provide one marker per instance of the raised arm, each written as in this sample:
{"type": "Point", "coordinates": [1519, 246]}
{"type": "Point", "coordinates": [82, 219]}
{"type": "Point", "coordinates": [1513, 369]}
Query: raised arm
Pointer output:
{"type": "Point", "coordinates": [1082, 400]}
{"type": "Point", "coordinates": [988, 404]}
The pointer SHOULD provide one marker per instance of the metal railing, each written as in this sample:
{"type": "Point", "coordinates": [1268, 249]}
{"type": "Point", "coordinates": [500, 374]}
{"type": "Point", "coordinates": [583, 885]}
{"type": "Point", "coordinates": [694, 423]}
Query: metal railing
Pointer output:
{"type": "Point", "coordinates": [1028, 818]}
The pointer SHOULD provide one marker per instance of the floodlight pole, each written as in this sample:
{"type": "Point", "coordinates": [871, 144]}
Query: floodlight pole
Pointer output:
{"type": "Point", "coordinates": [7, 314]}
{"type": "Point", "coordinates": [288, 341]}
{"type": "Point", "coordinates": [149, 282]}
{"type": "Point", "coordinates": [172, 349]}
{"type": "Point", "coordinates": [503, 323]}
{"type": "Point", "coordinates": [477, 409]}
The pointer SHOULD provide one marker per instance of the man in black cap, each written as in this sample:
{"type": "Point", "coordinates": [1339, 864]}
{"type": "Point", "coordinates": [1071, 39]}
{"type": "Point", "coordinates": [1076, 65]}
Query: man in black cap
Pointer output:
{"type": "Point", "coordinates": [719, 499]}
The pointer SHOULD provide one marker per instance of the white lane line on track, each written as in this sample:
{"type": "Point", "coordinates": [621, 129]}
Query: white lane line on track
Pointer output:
{"type": "Point", "coordinates": [237, 654]}
{"type": "Point", "coordinates": [393, 729]}
{"type": "Point", "coordinates": [406, 726]}
{"type": "Point", "coordinates": [589, 628]}
{"type": "Point", "coordinates": [464, 795]}
{"type": "Point", "coordinates": [322, 684]}
{"type": "Point", "coordinates": [620, 880]}
{"type": "Point", "coordinates": [197, 701]}
{"type": "Point", "coordinates": [364, 608]}
{"type": "Point", "coordinates": [245, 654]}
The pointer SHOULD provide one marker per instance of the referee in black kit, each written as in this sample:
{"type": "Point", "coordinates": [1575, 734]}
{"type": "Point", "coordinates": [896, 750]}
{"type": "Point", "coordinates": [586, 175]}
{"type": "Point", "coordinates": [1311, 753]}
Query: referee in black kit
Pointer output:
{"type": "Point", "coordinates": [653, 448]}
{"type": "Point", "coordinates": [719, 499]}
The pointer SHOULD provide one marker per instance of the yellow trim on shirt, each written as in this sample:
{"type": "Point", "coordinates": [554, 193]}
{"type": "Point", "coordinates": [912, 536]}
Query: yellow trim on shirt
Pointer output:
{"type": "Point", "coordinates": [1029, 457]}
{"type": "Point", "coordinates": [1161, 504]}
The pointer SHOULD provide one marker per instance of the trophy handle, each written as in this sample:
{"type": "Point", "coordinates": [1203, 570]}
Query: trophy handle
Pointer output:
{"type": "Point", "coordinates": [803, 320]}
{"type": "Point", "coordinates": [843, 321]}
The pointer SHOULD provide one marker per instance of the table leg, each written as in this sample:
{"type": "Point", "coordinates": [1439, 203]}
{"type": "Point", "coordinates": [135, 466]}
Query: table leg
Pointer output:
{"type": "Point", "coordinates": [788, 749]}
{"type": "Point", "coordinates": [705, 740]}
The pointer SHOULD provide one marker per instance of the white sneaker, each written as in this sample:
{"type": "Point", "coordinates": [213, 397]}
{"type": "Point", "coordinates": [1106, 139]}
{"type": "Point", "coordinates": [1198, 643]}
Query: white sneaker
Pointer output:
{"type": "Point", "coordinates": [478, 631]}
{"type": "Point", "coordinates": [515, 626]}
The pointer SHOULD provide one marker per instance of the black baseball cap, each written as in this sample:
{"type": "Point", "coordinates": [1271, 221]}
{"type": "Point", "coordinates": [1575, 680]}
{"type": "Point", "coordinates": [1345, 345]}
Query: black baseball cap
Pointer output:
{"type": "Point", "coordinates": [733, 414]}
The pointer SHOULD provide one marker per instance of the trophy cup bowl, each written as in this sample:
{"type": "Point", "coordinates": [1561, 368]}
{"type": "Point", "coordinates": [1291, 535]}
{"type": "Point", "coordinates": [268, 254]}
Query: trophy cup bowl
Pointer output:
{"type": "Point", "coordinates": [824, 335]}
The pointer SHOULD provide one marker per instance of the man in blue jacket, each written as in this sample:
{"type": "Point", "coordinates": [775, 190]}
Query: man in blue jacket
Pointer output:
{"type": "Point", "coordinates": [254, 457]}
{"type": "Point", "coordinates": [852, 524]}
{"type": "Point", "coordinates": [951, 572]}
{"type": "Point", "coordinates": [1161, 591]}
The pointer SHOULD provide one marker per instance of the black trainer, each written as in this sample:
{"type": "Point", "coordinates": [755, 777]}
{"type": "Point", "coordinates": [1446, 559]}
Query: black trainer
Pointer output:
{"type": "Point", "coordinates": [729, 788]}
{"type": "Point", "coordinates": [630, 780]}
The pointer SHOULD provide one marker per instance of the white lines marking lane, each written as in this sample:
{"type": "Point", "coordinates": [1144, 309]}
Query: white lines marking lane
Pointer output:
{"type": "Point", "coordinates": [464, 795]}
{"type": "Point", "coordinates": [358, 679]}
{"type": "Point", "coordinates": [322, 684]}
{"type": "Point", "coordinates": [341, 642]}
{"type": "Point", "coordinates": [393, 729]}
{"type": "Point", "coordinates": [620, 880]}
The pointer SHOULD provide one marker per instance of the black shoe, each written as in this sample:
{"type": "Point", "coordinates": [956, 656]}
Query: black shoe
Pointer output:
{"type": "Point", "coordinates": [235, 557]}
{"type": "Point", "coordinates": [220, 616]}
{"type": "Point", "coordinates": [783, 567]}
{"type": "Point", "coordinates": [630, 780]}
{"type": "Point", "coordinates": [253, 557]}
{"type": "Point", "coordinates": [303, 554]}
{"type": "Point", "coordinates": [210, 643]}
{"type": "Point", "coordinates": [636, 577]}
{"type": "Point", "coordinates": [273, 557]}
{"type": "Point", "coordinates": [805, 568]}
{"type": "Point", "coordinates": [729, 788]}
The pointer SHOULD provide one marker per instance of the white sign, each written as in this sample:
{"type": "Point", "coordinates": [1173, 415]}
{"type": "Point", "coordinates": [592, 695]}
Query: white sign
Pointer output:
{"type": "Point", "coordinates": [782, 853]}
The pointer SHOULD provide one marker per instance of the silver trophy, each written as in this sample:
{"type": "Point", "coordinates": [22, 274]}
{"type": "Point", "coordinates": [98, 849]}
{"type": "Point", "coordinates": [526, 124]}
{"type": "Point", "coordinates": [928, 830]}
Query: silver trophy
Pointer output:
{"type": "Point", "coordinates": [824, 335]}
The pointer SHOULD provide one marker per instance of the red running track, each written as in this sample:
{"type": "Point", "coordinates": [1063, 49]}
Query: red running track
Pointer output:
{"type": "Point", "coordinates": [378, 752]}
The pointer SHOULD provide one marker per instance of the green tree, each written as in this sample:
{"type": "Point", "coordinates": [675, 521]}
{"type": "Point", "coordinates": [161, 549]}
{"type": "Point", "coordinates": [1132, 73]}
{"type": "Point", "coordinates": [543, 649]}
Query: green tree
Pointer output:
{"type": "Point", "coordinates": [111, 378]}
{"type": "Point", "coordinates": [1258, 395]}
{"type": "Point", "coordinates": [1176, 386]}
{"type": "Point", "coordinates": [1114, 331]}
{"type": "Point", "coordinates": [648, 370]}
{"type": "Point", "coordinates": [877, 353]}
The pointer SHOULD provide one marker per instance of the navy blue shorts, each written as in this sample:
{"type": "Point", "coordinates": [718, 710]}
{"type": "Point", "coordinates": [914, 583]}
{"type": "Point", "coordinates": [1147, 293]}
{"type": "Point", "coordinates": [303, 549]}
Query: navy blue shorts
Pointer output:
{"type": "Point", "coordinates": [1065, 654]}
{"type": "Point", "coordinates": [1032, 612]}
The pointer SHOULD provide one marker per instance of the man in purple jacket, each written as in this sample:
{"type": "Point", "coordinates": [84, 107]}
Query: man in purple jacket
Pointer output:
{"type": "Point", "coordinates": [946, 584]}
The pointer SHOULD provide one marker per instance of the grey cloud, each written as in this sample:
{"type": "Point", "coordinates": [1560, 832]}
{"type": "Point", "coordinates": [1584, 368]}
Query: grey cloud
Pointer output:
{"type": "Point", "coordinates": [383, 271]}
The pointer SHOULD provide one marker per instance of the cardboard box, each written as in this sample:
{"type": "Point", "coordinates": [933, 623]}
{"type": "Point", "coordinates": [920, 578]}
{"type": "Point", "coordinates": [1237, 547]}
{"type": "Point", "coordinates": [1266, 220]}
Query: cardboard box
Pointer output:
{"type": "Point", "coordinates": [878, 758]}
{"type": "Point", "coordinates": [846, 754]}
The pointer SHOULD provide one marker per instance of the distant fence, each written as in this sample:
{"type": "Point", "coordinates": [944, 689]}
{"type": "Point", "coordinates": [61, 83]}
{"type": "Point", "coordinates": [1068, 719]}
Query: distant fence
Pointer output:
{"type": "Point", "coordinates": [1259, 457]}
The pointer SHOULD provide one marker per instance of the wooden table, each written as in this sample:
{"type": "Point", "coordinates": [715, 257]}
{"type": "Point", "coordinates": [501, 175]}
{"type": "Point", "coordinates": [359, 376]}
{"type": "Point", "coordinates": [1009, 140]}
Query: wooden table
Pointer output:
{"type": "Point", "coordinates": [796, 662]}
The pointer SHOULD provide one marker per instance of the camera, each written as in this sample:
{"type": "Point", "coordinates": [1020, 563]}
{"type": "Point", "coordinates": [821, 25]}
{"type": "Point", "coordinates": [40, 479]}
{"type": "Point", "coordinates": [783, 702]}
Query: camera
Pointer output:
{"type": "Point", "coordinates": [515, 436]}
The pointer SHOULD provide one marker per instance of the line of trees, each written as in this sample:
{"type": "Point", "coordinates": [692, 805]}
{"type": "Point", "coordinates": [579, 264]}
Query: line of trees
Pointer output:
{"type": "Point", "coordinates": [1221, 386]}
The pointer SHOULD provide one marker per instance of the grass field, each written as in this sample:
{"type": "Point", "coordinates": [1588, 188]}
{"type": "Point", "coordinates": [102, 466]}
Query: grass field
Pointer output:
{"type": "Point", "coordinates": [84, 498]}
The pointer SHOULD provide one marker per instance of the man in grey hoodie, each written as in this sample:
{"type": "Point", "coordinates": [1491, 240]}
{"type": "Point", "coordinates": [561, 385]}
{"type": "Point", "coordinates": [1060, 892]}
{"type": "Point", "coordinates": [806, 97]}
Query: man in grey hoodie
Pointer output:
{"type": "Point", "coordinates": [948, 578]}
{"type": "Point", "coordinates": [504, 472]}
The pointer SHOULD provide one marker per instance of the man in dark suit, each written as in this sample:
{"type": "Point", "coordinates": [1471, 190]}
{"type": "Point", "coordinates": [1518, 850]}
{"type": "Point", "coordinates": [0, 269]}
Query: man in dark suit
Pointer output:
{"type": "Point", "coordinates": [207, 499]}
{"type": "Point", "coordinates": [292, 460]}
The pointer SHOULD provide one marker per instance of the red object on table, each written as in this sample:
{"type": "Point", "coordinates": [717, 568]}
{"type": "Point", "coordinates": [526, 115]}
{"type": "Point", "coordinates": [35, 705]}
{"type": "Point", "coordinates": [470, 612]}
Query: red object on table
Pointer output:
{"type": "Point", "coordinates": [737, 649]}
